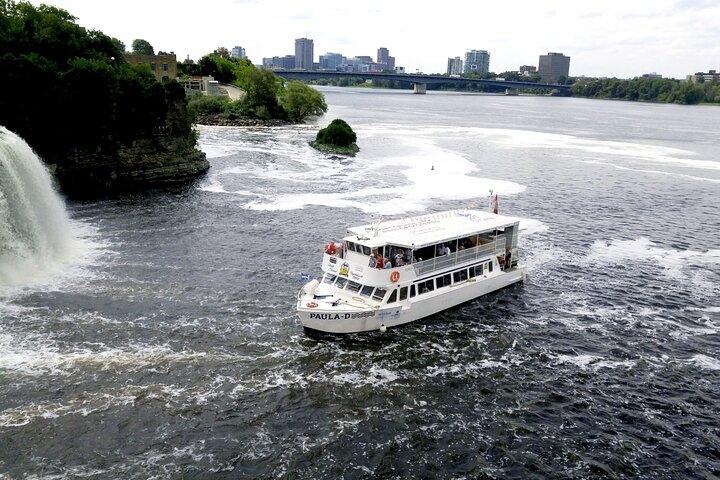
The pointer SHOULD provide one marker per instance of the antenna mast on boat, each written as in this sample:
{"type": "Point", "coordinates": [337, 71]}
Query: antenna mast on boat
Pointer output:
{"type": "Point", "coordinates": [493, 202]}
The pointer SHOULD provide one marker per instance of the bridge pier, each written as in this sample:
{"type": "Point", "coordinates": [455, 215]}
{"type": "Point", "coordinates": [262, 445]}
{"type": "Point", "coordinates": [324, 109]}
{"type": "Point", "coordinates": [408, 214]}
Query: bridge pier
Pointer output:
{"type": "Point", "coordinates": [419, 88]}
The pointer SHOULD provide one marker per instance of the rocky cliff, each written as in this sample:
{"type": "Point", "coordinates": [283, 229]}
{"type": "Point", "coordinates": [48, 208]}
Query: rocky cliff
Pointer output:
{"type": "Point", "coordinates": [144, 164]}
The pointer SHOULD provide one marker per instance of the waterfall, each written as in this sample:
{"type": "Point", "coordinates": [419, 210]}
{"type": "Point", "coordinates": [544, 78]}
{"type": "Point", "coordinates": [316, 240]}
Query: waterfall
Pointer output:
{"type": "Point", "coordinates": [35, 233]}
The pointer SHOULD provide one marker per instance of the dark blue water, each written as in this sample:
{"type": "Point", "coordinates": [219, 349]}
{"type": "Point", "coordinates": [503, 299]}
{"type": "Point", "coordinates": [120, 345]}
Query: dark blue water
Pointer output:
{"type": "Point", "coordinates": [169, 348]}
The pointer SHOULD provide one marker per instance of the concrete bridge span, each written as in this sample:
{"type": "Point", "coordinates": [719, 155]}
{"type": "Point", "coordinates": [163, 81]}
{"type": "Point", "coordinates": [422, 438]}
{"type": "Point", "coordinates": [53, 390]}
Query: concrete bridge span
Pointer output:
{"type": "Point", "coordinates": [419, 81]}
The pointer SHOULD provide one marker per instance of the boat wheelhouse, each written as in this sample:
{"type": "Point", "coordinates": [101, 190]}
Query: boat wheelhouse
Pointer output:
{"type": "Point", "coordinates": [396, 271]}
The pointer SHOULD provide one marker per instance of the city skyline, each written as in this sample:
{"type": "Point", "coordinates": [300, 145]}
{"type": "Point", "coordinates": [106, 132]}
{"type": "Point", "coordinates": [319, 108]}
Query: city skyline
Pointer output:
{"type": "Point", "coordinates": [613, 39]}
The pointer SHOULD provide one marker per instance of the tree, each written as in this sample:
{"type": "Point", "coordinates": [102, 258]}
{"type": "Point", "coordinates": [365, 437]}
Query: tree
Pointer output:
{"type": "Point", "coordinates": [222, 52]}
{"type": "Point", "coordinates": [142, 46]}
{"type": "Point", "coordinates": [301, 101]}
{"type": "Point", "coordinates": [118, 44]}
{"type": "Point", "coordinates": [262, 88]}
{"type": "Point", "coordinates": [338, 133]}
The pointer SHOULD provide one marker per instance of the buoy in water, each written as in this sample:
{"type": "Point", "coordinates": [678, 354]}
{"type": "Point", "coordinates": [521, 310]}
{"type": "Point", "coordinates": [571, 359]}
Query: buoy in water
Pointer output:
{"type": "Point", "coordinates": [383, 328]}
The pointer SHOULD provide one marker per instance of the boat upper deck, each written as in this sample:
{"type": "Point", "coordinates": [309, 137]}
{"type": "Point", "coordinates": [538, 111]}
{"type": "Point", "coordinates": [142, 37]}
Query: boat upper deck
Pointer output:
{"type": "Point", "coordinates": [415, 232]}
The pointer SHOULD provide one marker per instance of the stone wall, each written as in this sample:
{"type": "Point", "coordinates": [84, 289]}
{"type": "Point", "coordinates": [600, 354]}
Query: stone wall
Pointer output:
{"type": "Point", "coordinates": [163, 66]}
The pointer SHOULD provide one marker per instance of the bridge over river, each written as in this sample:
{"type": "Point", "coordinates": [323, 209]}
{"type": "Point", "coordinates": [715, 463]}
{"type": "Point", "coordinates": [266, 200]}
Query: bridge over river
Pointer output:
{"type": "Point", "coordinates": [419, 81]}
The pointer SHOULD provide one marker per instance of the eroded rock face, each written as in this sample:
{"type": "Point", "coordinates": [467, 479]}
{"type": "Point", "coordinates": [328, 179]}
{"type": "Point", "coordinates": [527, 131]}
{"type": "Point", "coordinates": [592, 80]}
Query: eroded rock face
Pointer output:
{"type": "Point", "coordinates": [133, 168]}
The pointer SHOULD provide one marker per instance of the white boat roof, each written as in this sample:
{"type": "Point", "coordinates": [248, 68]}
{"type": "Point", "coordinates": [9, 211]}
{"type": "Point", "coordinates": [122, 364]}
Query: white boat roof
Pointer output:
{"type": "Point", "coordinates": [414, 232]}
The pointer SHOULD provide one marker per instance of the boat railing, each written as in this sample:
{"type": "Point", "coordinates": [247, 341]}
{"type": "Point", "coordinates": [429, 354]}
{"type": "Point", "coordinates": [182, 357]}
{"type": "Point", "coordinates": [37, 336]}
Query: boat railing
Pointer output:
{"type": "Point", "coordinates": [496, 247]}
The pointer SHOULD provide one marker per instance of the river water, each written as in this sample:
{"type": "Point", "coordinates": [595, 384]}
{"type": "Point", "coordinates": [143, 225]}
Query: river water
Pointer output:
{"type": "Point", "coordinates": [166, 345]}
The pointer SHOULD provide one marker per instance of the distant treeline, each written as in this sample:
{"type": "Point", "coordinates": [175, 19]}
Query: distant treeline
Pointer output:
{"type": "Point", "coordinates": [663, 90]}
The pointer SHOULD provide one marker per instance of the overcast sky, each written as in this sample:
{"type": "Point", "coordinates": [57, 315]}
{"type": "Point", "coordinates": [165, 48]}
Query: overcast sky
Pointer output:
{"type": "Point", "coordinates": [620, 38]}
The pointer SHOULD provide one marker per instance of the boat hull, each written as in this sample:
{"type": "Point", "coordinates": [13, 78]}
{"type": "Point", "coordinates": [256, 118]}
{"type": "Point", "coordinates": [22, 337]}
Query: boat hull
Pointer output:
{"type": "Point", "coordinates": [330, 319]}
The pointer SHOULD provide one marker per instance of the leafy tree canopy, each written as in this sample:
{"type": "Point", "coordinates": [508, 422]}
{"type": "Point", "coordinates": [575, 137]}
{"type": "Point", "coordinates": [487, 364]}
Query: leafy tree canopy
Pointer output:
{"type": "Point", "coordinates": [301, 101]}
{"type": "Point", "coordinates": [142, 46]}
{"type": "Point", "coordinates": [84, 96]}
{"type": "Point", "coordinates": [338, 133]}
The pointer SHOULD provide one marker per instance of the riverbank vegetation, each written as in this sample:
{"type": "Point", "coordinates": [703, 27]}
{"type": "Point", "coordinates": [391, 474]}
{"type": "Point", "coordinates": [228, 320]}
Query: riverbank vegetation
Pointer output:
{"type": "Point", "coordinates": [663, 90]}
{"type": "Point", "coordinates": [73, 98]}
{"type": "Point", "coordinates": [266, 96]}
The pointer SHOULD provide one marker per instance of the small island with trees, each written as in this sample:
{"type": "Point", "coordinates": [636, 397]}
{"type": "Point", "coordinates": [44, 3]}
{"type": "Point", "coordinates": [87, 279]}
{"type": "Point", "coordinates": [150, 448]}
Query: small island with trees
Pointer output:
{"type": "Point", "coordinates": [337, 138]}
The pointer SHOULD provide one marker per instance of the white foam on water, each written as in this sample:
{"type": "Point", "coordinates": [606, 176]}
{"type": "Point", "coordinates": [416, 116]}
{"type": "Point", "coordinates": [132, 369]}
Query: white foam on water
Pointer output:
{"type": "Point", "coordinates": [603, 148]}
{"type": "Point", "coordinates": [592, 362]}
{"type": "Point", "coordinates": [387, 185]}
{"type": "Point", "coordinates": [87, 404]}
{"type": "Point", "coordinates": [705, 362]}
{"type": "Point", "coordinates": [38, 356]}
{"type": "Point", "coordinates": [694, 269]}
{"type": "Point", "coordinates": [656, 172]}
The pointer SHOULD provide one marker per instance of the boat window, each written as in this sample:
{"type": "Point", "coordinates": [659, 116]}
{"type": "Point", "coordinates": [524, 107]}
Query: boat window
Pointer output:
{"type": "Point", "coordinates": [478, 270]}
{"type": "Point", "coordinates": [379, 294]}
{"type": "Point", "coordinates": [412, 291]}
{"type": "Point", "coordinates": [366, 290]}
{"type": "Point", "coordinates": [353, 286]}
{"type": "Point", "coordinates": [329, 279]}
{"type": "Point", "coordinates": [460, 276]}
{"type": "Point", "coordinates": [403, 293]}
{"type": "Point", "coordinates": [443, 280]}
{"type": "Point", "coordinates": [341, 281]}
{"type": "Point", "coordinates": [366, 250]}
{"type": "Point", "coordinates": [351, 246]}
{"type": "Point", "coordinates": [393, 296]}
{"type": "Point", "coordinates": [490, 266]}
{"type": "Point", "coordinates": [426, 286]}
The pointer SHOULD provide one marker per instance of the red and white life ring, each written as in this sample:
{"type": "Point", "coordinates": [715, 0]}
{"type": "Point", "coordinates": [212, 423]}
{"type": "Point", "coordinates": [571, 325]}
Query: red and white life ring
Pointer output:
{"type": "Point", "coordinates": [395, 276]}
{"type": "Point", "coordinates": [311, 305]}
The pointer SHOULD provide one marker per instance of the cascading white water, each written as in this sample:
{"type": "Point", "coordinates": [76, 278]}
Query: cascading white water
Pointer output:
{"type": "Point", "coordinates": [35, 232]}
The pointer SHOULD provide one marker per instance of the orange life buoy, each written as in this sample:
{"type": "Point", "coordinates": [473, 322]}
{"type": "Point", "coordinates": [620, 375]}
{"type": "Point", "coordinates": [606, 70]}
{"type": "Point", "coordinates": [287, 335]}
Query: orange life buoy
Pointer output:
{"type": "Point", "coordinates": [395, 276]}
{"type": "Point", "coordinates": [312, 304]}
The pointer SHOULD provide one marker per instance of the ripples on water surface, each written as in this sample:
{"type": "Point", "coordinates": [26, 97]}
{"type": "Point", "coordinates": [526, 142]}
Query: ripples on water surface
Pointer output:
{"type": "Point", "coordinates": [171, 350]}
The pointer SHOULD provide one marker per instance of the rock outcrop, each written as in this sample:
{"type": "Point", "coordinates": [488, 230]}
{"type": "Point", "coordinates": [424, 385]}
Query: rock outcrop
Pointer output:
{"type": "Point", "coordinates": [140, 166]}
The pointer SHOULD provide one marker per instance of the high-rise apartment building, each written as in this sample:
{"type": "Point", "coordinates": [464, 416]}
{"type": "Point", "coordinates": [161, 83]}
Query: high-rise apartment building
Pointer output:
{"type": "Point", "coordinates": [455, 66]}
{"type": "Point", "coordinates": [303, 54]}
{"type": "Point", "coordinates": [238, 52]}
{"type": "Point", "coordinates": [553, 66]}
{"type": "Point", "coordinates": [477, 61]}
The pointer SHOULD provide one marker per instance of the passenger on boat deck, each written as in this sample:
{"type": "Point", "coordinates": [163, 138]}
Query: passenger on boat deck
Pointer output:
{"type": "Point", "coordinates": [372, 261]}
{"type": "Point", "coordinates": [388, 263]}
{"type": "Point", "coordinates": [443, 250]}
{"type": "Point", "coordinates": [399, 262]}
{"type": "Point", "coordinates": [379, 262]}
{"type": "Point", "coordinates": [331, 249]}
{"type": "Point", "coordinates": [508, 255]}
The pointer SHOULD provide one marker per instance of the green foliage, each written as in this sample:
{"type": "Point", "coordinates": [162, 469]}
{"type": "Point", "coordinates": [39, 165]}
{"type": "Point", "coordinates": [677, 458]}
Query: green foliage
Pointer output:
{"type": "Point", "coordinates": [142, 46]}
{"type": "Point", "coordinates": [208, 104]}
{"type": "Point", "coordinates": [262, 88]}
{"type": "Point", "coordinates": [301, 101]}
{"type": "Point", "coordinates": [664, 90]}
{"type": "Point", "coordinates": [338, 133]}
{"type": "Point", "coordinates": [119, 44]}
{"type": "Point", "coordinates": [82, 95]}
{"type": "Point", "coordinates": [221, 69]}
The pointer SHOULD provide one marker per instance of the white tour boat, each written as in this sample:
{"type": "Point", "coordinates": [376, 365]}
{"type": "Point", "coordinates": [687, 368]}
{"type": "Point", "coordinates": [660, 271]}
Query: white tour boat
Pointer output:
{"type": "Point", "coordinates": [429, 263]}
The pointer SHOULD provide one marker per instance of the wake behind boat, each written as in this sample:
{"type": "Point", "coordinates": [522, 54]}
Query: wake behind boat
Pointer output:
{"type": "Point", "coordinates": [394, 272]}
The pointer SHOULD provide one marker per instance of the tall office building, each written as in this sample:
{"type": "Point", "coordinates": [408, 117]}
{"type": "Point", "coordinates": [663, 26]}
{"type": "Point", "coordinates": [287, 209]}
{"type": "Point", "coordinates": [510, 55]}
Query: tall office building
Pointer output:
{"type": "Point", "coordinates": [331, 61]}
{"type": "Point", "coordinates": [553, 66]}
{"type": "Point", "coordinates": [477, 61]}
{"type": "Point", "coordinates": [238, 52]}
{"type": "Point", "coordinates": [455, 66]}
{"type": "Point", "coordinates": [303, 54]}
{"type": "Point", "coordinates": [384, 59]}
